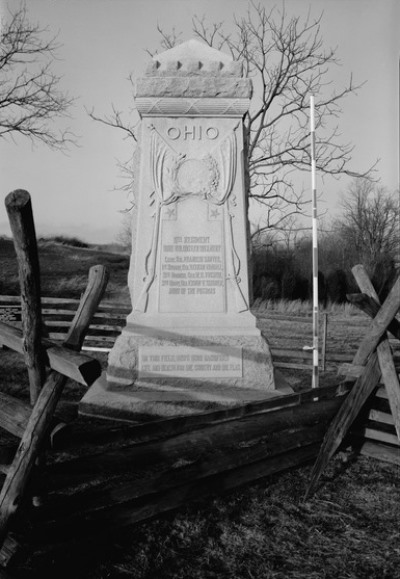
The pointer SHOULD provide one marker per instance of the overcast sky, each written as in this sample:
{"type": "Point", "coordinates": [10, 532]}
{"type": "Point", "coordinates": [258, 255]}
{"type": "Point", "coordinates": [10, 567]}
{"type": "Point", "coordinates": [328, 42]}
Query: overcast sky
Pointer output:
{"type": "Point", "coordinates": [104, 41]}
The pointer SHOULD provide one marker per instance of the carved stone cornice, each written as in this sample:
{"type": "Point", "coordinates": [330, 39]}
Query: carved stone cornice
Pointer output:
{"type": "Point", "coordinates": [195, 67]}
{"type": "Point", "coordinates": [194, 86]}
{"type": "Point", "coordinates": [194, 107]}
{"type": "Point", "coordinates": [193, 79]}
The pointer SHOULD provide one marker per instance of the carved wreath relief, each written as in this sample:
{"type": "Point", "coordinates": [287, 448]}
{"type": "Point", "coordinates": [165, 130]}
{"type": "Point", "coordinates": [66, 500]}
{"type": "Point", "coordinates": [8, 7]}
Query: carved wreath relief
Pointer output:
{"type": "Point", "coordinates": [177, 176]}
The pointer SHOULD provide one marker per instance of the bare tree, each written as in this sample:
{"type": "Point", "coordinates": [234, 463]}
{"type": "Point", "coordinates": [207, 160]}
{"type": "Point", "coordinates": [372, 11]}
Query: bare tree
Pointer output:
{"type": "Point", "coordinates": [288, 235]}
{"type": "Point", "coordinates": [285, 58]}
{"type": "Point", "coordinates": [370, 224]}
{"type": "Point", "coordinates": [129, 128]}
{"type": "Point", "coordinates": [30, 98]}
{"type": "Point", "coordinates": [124, 236]}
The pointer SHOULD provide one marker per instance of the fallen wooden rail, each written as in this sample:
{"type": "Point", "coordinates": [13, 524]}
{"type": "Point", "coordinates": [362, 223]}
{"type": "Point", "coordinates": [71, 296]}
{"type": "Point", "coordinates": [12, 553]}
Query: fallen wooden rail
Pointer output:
{"type": "Point", "coordinates": [374, 356]}
{"type": "Point", "coordinates": [40, 419]}
{"type": "Point", "coordinates": [32, 424]}
{"type": "Point", "coordinates": [62, 359]}
{"type": "Point", "coordinates": [147, 474]}
{"type": "Point", "coordinates": [19, 209]}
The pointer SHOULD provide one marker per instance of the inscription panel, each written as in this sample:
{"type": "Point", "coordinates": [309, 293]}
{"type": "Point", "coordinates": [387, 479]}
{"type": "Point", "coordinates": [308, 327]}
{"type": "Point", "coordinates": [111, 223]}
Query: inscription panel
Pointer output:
{"type": "Point", "coordinates": [192, 271]}
{"type": "Point", "coordinates": [190, 362]}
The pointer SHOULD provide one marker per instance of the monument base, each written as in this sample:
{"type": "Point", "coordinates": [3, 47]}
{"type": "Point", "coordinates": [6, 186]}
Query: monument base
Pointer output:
{"type": "Point", "coordinates": [141, 405]}
{"type": "Point", "coordinates": [150, 377]}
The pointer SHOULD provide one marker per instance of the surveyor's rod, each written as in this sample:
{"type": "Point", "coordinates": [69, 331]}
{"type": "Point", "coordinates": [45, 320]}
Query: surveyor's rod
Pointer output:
{"type": "Point", "coordinates": [315, 376]}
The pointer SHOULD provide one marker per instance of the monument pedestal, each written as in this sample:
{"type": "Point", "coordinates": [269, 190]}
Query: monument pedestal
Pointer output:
{"type": "Point", "coordinates": [179, 373]}
{"type": "Point", "coordinates": [191, 342]}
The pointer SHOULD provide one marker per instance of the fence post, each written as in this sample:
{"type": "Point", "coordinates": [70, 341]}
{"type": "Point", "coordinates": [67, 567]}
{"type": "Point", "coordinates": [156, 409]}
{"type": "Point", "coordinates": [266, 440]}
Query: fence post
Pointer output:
{"type": "Point", "coordinates": [324, 340]}
{"type": "Point", "coordinates": [19, 209]}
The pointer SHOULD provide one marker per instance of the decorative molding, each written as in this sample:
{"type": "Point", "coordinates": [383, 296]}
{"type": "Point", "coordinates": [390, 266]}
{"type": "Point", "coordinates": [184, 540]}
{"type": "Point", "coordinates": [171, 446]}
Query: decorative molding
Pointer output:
{"type": "Point", "coordinates": [194, 86]}
{"type": "Point", "coordinates": [194, 66]}
{"type": "Point", "coordinates": [194, 107]}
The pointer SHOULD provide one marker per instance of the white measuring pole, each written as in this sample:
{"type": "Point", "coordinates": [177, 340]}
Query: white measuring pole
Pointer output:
{"type": "Point", "coordinates": [315, 376]}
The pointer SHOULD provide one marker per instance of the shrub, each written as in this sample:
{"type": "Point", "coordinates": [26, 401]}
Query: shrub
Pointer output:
{"type": "Point", "coordinates": [65, 240]}
{"type": "Point", "coordinates": [337, 286]}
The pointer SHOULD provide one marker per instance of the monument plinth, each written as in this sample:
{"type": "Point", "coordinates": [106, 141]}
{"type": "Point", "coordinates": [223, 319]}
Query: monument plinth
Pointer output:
{"type": "Point", "coordinates": [190, 342]}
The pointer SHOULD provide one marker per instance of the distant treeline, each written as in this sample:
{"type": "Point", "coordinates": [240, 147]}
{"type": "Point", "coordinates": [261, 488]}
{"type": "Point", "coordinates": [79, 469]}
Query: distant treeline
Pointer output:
{"type": "Point", "coordinates": [366, 232]}
{"type": "Point", "coordinates": [286, 273]}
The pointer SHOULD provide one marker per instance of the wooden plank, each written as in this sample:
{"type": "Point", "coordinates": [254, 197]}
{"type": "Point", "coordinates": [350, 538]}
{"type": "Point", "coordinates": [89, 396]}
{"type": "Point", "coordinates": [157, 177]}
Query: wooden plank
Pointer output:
{"type": "Point", "coordinates": [111, 329]}
{"type": "Point", "coordinates": [371, 305]}
{"type": "Point", "coordinates": [379, 416]}
{"type": "Point", "coordinates": [15, 484]}
{"type": "Point", "coordinates": [350, 370]}
{"type": "Point", "coordinates": [105, 308]}
{"type": "Point", "coordinates": [10, 552]}
{"type": "Point", "coordinates": [166, 476]}
{"type": "Point", "coordinates": [96, 349]}
{"type": "Point", "coordinates": [72, 302]}
{"type": "Point", "coordinates": [292, 365]}
{"type": "Point", "coordinates": [74, 365]}
{"type": "Point", "coordinates": [10, 300]}
{"type": "Point", "coordinates": [100, 339]}
{"type": "Point", "coordinates": [169, 427]}
{"type": "Point", "coordinates": [7, 453]}
{"type": "Point", "coordinates": [191, 445]}
{"type": "Point", "coordinates": [364, 385]}
{"type": "Point", "coordinates": [379, 325]}
{"type": "Point", "coordinates": [45, 300]}
{"type": "Point", "coordinates": [14, 414]}
{"type": "Point", "coordinates": [282, 318]}
{"type": "Point", "coordinates": [391, 381]}
{"type": "Point", "coordinates": [364, 283]}
{"type": "Point", "coordinates": [16, 481]}
{"type": "Point", "coordinates": [291, 353]}
{"type": "Point", "coordinates": [380, 451]}
{"type": "Point", "coordinates": [100, 520]}
{"type": "Point", "coordinates": [114, 318]}
{"type": "Point", "coordinates": [5, 574]}
{"type": "Point", "coordinates": [378, 435]}
{"type": "Point", "coordinates": [340, 425]}
{"type": "Point", "coordinates": [381, 393]}
{"type": "Point", "coordinates": [389, 373]}
{"type": "Point", "coordinates": [19, 209]}
{"type": "Point", "coordinates": [355, 371]}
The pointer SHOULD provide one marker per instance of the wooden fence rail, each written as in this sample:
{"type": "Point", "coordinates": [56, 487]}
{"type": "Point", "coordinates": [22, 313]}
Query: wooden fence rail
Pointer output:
{"type": "Point", "coordinates": [109, 319]}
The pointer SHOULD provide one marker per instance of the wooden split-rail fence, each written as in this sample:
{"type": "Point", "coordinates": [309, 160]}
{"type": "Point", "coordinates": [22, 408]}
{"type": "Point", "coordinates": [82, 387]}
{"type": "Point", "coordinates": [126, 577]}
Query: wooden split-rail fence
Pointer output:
{"type": "Point", "coordinates": [61, 484]}
{"type": "Point", "coordinates": [110, 317]}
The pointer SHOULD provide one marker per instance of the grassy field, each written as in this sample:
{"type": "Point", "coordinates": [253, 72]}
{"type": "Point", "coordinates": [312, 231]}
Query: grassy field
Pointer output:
{"type": "Point", "coordinates": [64, 269]}
{"type": "Point", "coordinates": [349, 530]}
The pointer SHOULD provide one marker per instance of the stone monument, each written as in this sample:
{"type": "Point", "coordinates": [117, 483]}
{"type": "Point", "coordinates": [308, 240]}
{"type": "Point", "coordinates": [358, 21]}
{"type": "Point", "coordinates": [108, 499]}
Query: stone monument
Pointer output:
{"type": "Point", "coordinates": [191, 342]}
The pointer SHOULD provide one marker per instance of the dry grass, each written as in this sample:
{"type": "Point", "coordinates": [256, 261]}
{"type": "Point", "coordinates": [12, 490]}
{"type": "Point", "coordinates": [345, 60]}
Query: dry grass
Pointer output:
{"type": "Point", "coordinates": [64, 269]}
{"type": "Point", "coordinates": [299, 307]}
{"type": "Point", "coordinates": [349, 530]}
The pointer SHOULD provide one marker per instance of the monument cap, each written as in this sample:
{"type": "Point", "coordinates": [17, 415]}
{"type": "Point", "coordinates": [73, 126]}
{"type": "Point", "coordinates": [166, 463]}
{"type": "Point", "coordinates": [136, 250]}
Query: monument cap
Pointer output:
{"type": "Point", "coordinates": [194, 58]}
{"type": "Point", "coordinates": [193, 78]}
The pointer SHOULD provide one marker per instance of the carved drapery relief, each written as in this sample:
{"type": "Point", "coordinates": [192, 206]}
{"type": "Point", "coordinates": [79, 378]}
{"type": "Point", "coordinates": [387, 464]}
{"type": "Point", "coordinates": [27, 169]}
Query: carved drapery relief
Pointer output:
{"type": "Point", "coordinates": [176, 176]}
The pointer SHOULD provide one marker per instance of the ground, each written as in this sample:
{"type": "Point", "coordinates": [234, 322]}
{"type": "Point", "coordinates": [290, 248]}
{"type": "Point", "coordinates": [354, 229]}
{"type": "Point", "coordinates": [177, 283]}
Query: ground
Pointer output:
{"type": "Point", "coordinates": [349, 529]}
